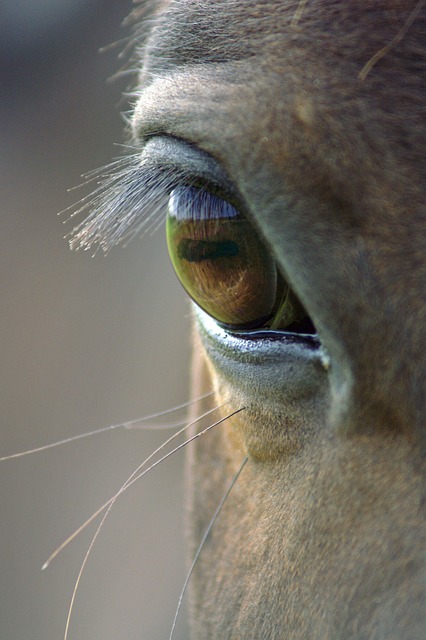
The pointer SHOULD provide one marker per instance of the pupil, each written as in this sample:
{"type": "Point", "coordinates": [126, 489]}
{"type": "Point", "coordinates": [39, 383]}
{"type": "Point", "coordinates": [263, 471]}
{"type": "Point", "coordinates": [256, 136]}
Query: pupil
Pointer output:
{"type": "Point", "coordinates": [198, 250]}
{"type": "Point", "coordinates": [220, 260]}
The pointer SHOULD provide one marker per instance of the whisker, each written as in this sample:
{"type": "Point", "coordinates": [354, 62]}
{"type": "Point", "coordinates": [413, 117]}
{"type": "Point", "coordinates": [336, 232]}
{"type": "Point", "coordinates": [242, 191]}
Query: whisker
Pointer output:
{"type": "Point", "coordinates": [390, 45]}
{"type": "Point", "coordinates": [130, 424]}
{"type": "Point", "coordinates": [80, 573]}
{"type": "Point", "coordinates": [133, 478]}
{"type": "Point", "coordinates": [157, 427]}
{"type": "Point", "coordinates": [179, 447]}
{"type": "Point", "coordinates": [60, 442]}
{"type": "Point", "coordinates": [128, 482]}
{"type": "Point", "coordinates": [205, 536]}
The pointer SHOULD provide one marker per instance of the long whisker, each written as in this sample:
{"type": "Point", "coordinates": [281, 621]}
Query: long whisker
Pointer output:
{"type": "Point", "coordinates": [390, 45]}
{"type": "Point", "coordinates": [166, 411]}
{"type": "Point", "coordinates": [131, 424]}
{"type": "Point", "coordinates": [133, 478]}
{"type": "Point", "coordinates": [179, 447]}
{"type": "Point", "coordinates": [124, 486]}
{"type": "Point", "coordinates": [156, 427]}
{"type": "Point", "coordinates": [205, 536]}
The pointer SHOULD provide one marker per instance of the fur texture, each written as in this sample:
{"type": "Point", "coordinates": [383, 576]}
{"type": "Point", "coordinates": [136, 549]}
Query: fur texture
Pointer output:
{"type": "Point", "coordinates": [315, 111]}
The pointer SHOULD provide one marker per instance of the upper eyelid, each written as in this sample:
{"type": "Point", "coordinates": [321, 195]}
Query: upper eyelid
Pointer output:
{"type": "Point", "coordinates": [185, 158]}
{"type": "Point", "coordinates": [193, 165]}
{"type": "Point", "coordinates": [132, 193]}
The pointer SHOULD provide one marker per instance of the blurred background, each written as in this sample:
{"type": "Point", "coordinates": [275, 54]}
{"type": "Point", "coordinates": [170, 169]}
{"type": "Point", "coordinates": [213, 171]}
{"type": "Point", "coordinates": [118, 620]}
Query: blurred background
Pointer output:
{"type": "Point", "coordinates": [85, 342]}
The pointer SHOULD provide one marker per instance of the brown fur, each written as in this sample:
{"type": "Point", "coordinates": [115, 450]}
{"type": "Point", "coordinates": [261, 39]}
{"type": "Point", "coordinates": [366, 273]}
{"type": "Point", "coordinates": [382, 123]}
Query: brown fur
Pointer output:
{"type": "Point", "coordinates": [323, 534]}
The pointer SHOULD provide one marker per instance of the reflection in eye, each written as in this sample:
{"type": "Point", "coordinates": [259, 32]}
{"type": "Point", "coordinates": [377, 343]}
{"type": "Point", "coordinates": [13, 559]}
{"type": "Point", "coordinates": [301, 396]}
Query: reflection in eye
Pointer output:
{"type": "Point", "coordinates": [222, 263]}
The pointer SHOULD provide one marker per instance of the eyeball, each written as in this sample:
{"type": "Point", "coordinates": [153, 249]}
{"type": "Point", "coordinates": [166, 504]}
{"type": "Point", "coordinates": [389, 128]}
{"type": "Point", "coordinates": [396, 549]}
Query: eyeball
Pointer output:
{"type": "Point", "coordinates": [221, 261]}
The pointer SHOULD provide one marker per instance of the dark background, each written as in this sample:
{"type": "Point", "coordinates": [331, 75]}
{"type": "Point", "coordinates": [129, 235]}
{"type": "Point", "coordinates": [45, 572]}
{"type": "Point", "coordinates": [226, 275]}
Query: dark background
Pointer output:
{"type": "Point", "coordinates": [84, 342]}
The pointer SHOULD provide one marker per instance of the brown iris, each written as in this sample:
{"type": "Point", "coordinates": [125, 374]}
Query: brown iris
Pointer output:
{"type": "Point", "coordinates": [222, 263]}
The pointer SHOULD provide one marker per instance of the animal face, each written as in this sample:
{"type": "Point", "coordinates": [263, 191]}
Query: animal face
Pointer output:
{"type": "Point", "coordinates": [288, 140]}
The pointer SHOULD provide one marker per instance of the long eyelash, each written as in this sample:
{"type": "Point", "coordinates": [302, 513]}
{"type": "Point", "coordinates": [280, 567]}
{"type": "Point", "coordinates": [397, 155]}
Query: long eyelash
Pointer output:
{"type": "Point", "coordinates": [130, 197]}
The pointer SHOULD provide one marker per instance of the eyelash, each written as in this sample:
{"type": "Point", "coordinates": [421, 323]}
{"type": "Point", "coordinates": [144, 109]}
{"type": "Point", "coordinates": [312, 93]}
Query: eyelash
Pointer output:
{"type": "Point", "coordinates": [131, 197]}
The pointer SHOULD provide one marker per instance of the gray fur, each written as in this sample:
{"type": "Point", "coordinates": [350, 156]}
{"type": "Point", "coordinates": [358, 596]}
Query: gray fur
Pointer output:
{"type": "Point", "coordinates": [323, 535]}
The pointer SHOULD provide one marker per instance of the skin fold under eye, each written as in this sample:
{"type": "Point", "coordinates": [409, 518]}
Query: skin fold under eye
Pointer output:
{"type": "Point", "coordinates": [223, 264]}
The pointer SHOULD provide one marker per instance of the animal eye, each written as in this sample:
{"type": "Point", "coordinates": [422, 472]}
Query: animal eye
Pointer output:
{"type": "Point", "coordinates": [222, 263]}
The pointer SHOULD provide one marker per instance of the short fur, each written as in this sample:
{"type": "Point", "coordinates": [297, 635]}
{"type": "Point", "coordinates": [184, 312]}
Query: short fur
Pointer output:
{"type": "Point", "coordinates": [323, 535]}
{"type": "Point", "coordinates": [324, 538]}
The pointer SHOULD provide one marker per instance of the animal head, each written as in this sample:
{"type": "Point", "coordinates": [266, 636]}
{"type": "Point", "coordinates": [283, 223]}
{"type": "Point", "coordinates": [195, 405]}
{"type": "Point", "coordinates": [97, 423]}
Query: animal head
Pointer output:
{"type": "Point", "coordinates": [286, 142]}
